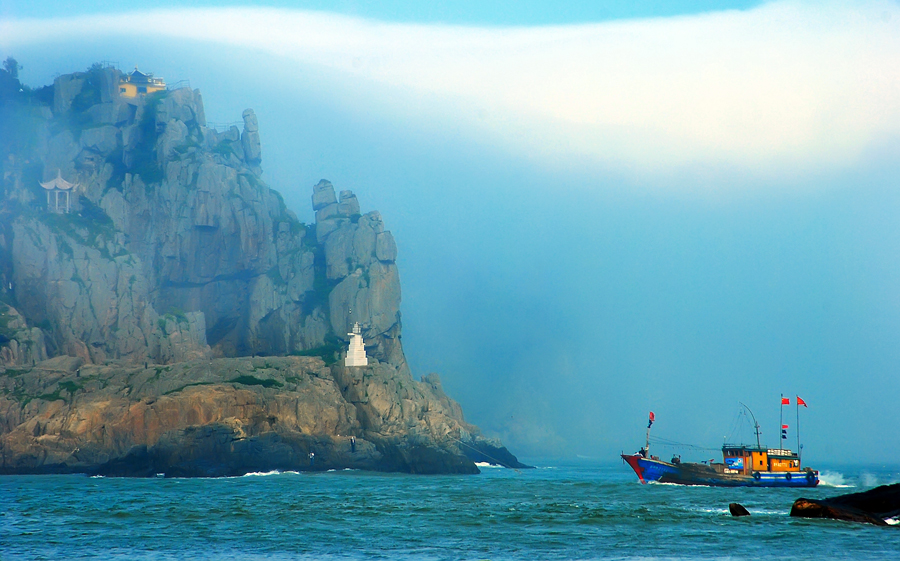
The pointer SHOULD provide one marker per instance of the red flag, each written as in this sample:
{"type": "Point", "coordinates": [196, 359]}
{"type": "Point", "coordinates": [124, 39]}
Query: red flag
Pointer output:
{"type": "Point", "coordinates": [652, 417]}
{"type": "Point", "coordinates": [784, 426]}
{"type": "Point", "coordinates": [785, 401]}
{"type": "Point", "coordinates": [801, 402]}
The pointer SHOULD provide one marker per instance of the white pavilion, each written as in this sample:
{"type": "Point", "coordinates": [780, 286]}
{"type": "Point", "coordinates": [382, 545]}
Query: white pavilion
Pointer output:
{"type": "Point", "coordinates": [356, 354]}
{"type": "Point", "coordinates": [56, 186]}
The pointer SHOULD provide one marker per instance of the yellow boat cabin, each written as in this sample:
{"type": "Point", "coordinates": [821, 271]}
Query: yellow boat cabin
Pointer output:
{"type": "Point", "coordinates": [748, 459]}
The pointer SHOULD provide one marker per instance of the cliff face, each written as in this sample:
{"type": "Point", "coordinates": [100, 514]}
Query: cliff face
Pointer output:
{"type": "Point", "coordinates": [177, 254]}
{"type": "Point", "coordinates": [227, 417]}
{"type": "Point", "coordinates": [175, 248]}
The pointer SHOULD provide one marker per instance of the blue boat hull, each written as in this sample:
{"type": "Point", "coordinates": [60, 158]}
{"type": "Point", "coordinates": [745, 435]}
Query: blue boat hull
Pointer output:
{"type": "Point", "coordinates": [648, 469]}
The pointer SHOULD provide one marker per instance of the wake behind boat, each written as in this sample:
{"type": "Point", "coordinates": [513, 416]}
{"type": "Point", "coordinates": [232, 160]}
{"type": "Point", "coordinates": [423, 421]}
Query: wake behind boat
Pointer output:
{"type": "Point", "coordinates": [741, 466]}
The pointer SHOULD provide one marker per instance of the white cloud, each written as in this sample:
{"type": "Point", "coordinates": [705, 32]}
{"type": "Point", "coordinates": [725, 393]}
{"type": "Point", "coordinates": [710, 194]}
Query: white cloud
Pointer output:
{"type": "Point", "coordinates": [789, 85]}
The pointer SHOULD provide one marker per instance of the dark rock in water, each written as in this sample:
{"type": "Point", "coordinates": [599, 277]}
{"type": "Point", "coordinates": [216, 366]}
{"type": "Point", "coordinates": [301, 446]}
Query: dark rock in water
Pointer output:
{"type": "Point", "coordinates": [738, 510]}
{"type": "Point", "coordinates": [873, 506]}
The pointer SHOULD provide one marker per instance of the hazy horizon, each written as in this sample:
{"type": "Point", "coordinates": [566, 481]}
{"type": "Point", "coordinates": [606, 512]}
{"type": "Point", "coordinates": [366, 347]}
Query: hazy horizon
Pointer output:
{"type": "Point", "coordinates": [598, 214]}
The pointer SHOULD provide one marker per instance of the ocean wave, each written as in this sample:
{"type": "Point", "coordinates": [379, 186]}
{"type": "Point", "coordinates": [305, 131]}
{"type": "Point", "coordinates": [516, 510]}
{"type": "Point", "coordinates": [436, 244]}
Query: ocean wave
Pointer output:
{"type": "Point", "coordinates": [267, 473]}
{"type": "Point", "coordinates": [487, 465]}
{"type": "Point", "coordinates": [833, 479]}
{"type": "Point", "coordinates": [708, 510]}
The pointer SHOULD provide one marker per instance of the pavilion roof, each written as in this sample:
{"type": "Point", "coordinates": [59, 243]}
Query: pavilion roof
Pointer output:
{"type": "Point", "coordinates": [58, 183]}
{"type": "Point", "coordinates": [139, 77]}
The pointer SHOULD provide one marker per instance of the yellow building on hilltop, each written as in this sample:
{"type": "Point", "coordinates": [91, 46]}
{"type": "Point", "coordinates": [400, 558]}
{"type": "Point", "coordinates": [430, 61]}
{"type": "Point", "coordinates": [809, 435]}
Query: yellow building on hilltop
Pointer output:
{"type": "Point", "coordinates": [137, 83]}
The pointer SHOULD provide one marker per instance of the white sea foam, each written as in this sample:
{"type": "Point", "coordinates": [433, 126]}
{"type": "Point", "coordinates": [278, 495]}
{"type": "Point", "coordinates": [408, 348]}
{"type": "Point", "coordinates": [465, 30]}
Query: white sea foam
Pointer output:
{"type": "Point", "coordinates": [769, 512]}
{"type": "Point", "coordinates": [893, 521]}
{"type": "Point", "coordinates": [833, 479]}
{"type": "Point", "coordinates": [711, 510]}
{"type": "Point", "coordinates": [262, 473]}
{"type": "Point", "coordinates": [487, 465]}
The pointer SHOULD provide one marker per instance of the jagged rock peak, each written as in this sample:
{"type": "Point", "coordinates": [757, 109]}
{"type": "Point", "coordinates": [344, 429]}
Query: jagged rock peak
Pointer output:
{"type": "Point", "coordinates": [323, 195]}
{"type": "Point", "coordinates": [176, 248]}
{"type": "Point", "coordinates": [155, 307]}
{"type": "Point", "coordinates": [360, 261]}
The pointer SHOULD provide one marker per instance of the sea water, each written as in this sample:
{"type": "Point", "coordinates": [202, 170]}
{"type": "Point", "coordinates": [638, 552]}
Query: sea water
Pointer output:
{"type": "Point", "coordinates": [558, 511]}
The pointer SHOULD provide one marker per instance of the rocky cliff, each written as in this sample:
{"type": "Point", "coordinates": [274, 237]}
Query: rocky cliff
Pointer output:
{"type": "Point", "coordinates": [127, 325]}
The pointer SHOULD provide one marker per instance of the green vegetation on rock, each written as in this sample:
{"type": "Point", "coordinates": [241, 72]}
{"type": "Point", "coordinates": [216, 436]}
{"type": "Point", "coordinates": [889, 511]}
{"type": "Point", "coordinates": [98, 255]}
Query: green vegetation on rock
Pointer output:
{"type": "Point", "coordinates": [144, 158]}
{"type": "Point", "coordinates": [248, 380]}
{"type": "Point", "coordinates": [90, 226]}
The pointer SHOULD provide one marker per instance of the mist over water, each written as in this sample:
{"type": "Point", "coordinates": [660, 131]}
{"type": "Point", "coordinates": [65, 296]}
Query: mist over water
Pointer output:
{"type": "Point", "coordinates": [562, 298]}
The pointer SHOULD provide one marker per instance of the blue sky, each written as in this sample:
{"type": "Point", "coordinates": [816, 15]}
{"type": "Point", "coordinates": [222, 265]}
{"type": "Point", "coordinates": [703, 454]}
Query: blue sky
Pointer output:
{"type": "Point", "coordinates": [598, 212]}
{"type": "Point", "coordinates": [472, 12]}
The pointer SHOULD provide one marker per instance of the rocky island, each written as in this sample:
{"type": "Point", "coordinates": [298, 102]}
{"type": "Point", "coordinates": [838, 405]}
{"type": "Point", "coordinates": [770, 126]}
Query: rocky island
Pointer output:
{"type": "Point", "coordinates": [163, 312]}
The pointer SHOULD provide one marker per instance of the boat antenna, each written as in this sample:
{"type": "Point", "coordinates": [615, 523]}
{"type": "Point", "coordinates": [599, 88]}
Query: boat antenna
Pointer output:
{"type": "Point", "coordinates": [755, 424]}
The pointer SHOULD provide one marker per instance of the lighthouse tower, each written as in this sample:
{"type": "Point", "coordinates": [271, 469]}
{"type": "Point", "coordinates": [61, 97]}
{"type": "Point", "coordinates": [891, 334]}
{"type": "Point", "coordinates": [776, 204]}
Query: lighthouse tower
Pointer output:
{"type": "Point", "coordinates": [356, 354]}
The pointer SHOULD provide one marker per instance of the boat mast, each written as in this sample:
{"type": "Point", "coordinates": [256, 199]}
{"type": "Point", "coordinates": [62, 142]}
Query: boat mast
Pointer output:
{"type": "Point", "coordinates": [755, 424]}
{"type": "Point", "coordinates": [649, 424]}
{"type": "Point", "coordinates": [781, 431]}
{"type": "Point", "coordinates": [799, 449]}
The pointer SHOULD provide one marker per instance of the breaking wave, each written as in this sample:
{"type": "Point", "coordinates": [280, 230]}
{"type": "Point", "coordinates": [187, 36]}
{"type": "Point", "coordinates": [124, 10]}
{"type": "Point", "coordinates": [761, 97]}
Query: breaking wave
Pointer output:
{"type": "Point", "coordinates": [834, 479]}
{"type": "Point", "coordinates": [265, 473]}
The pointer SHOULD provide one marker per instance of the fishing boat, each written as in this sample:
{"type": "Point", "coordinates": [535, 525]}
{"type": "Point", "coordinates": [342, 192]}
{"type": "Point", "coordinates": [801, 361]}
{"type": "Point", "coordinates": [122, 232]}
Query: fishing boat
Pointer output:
{"type": "Point", "coordinates": [741, 466]}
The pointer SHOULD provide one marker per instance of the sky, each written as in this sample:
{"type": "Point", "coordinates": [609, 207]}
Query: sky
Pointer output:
{"type": "Point", "coordinates": [600, 209]}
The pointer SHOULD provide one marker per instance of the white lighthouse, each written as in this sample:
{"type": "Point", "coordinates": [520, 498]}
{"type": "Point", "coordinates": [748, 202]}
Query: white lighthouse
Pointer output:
{"type": "Point", "coordinates": [356, 354]}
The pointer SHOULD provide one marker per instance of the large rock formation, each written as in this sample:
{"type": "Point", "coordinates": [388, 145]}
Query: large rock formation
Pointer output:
{"type": "Point", "coordinates": [226, 417]}
{"type": "Point", "coordinates": [874, 506]}
{"type": "Point", "coordinates": [177, 254]}
{"type": "Point", "coordinates": [172, 217]}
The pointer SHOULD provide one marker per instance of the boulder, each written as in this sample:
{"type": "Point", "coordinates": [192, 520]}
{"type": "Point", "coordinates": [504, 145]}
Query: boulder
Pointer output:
{"type": "Point", "coordinates": [65, 88]}
{"type": "Point", "coordinates": [349, 205]}
{"type": "Point", "coordinates": [323, 194]}
{"type": "Point", "coordinates": [339, 259]}
{"type": "Point", "coordinates": [737, 509]}
{"type": "Point", "coordinates": [326, 212]}
{"type": "Point", "coordinates": [106, 113]}
{"type": "Point", "coordinates": [250, 138]}
{"type": "Point", "coordinates": [19, 344]}
{"type": "Point", "coordinates": [108, 85]}
{"type": "Point", "coordinates": [873, 506]}
{"type": "Point", "coordinates": [200, 112]}
{"type": "Point", "coordinates": [100, 139]}
{"type": "Point", "coordinates": [326, 227]}
{"type": "Point", "coordinates": [385, 247]}
{"type": "Point", "coordinates": [251, 124]}
{"type": "Point", "coordinates": [368, 227]}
